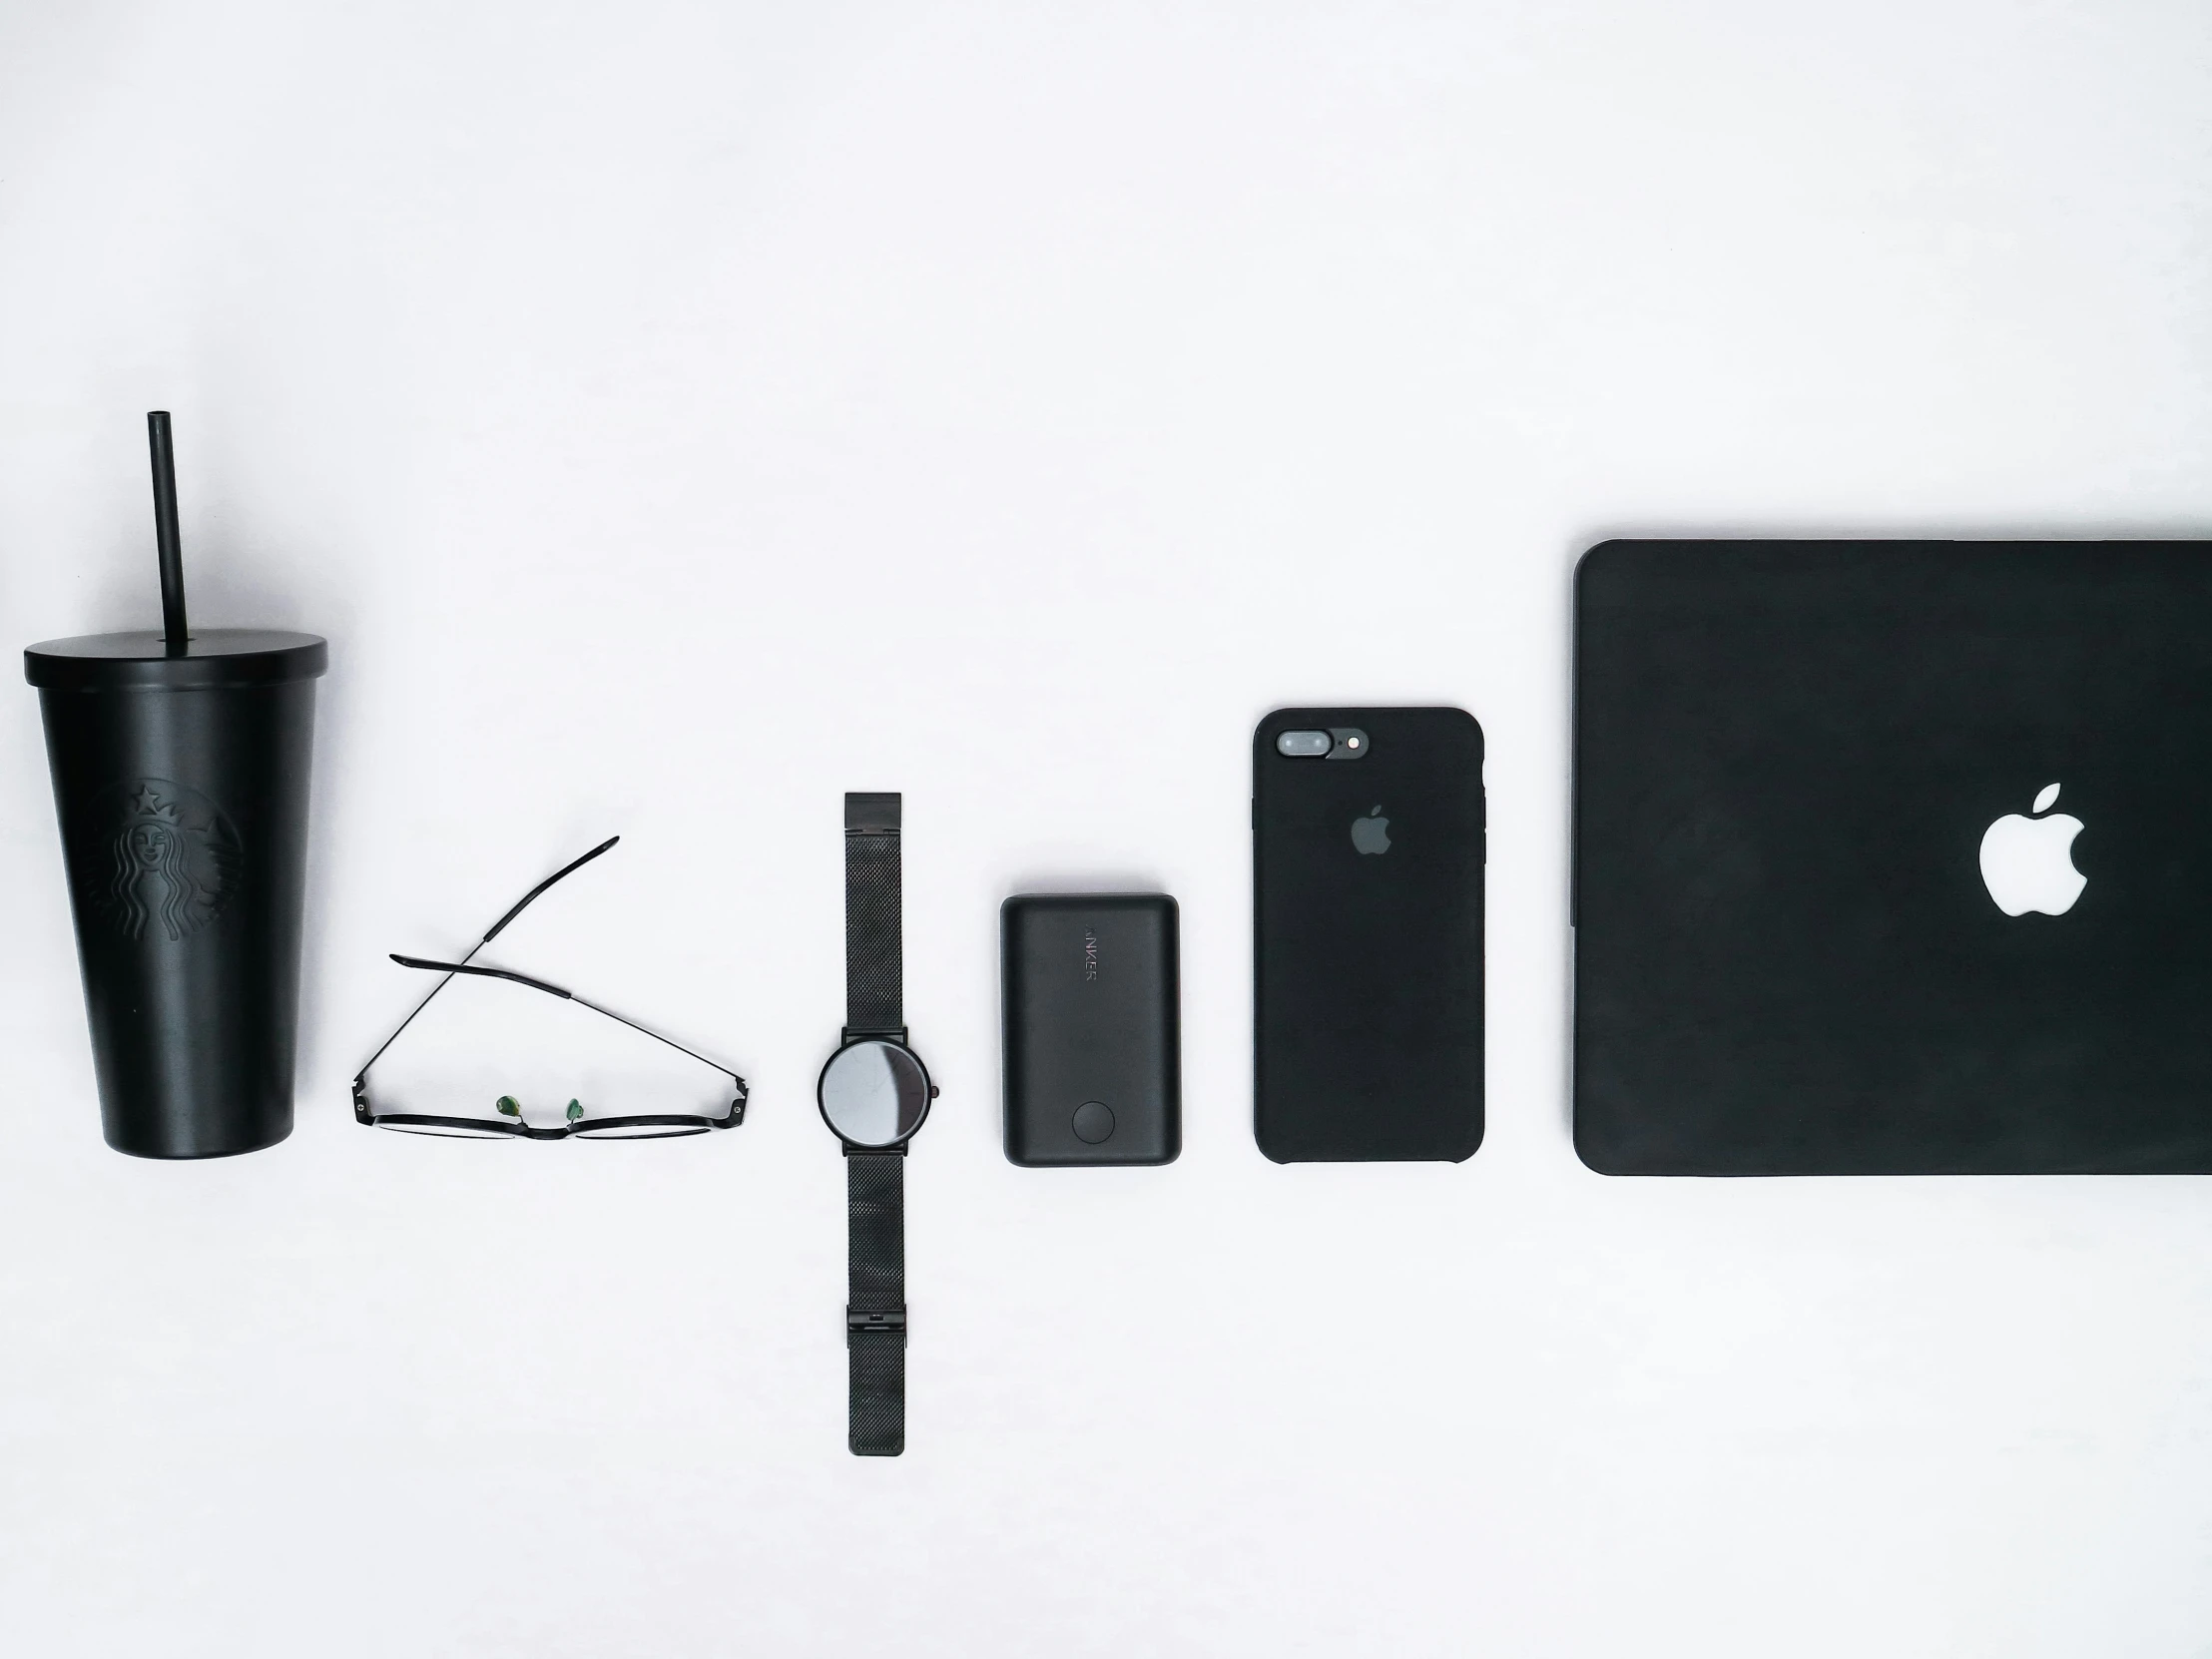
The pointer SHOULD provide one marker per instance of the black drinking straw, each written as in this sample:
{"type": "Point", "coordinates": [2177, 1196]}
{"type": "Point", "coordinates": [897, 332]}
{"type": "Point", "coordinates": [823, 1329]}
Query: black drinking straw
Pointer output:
{"type": "Point", "coordinates": [175, 640]}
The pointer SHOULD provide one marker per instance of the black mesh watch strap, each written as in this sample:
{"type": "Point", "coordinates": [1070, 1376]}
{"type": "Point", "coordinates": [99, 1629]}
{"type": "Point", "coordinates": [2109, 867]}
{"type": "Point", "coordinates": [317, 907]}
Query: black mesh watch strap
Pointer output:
{"type": "Point", "coordinates": [874, 1179]}
{"type": "Point", "coordinates": [873, 971]}
{"type": "Point", "coordinates": [876, 1309]}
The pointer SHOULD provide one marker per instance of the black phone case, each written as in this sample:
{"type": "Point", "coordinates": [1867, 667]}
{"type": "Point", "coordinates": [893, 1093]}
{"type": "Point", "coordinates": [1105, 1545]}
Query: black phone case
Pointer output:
{"type": "Point", "coordinates": [1368, 965]}
{"type": "Point", "coordinates": [1094, 1039]}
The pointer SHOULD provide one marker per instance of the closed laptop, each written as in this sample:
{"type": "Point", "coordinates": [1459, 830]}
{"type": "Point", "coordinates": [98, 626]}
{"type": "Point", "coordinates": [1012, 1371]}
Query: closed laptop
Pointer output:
{"type": "Point", "coordinates": [1892, 856]}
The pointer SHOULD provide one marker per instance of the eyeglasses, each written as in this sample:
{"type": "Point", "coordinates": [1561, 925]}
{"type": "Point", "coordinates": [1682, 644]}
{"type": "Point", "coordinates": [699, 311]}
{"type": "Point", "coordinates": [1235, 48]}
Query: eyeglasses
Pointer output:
{"type": "Point", "coordinates": [507, 1123]}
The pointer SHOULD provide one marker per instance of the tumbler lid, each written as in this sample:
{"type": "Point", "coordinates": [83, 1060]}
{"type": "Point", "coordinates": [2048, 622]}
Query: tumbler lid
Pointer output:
{"type": "Point", "coordinates": [212, 657]}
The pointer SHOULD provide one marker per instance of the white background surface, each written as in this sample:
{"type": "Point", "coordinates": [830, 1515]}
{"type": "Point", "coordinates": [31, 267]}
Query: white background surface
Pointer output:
{"type": "Point", "coordinates": [677, 415]}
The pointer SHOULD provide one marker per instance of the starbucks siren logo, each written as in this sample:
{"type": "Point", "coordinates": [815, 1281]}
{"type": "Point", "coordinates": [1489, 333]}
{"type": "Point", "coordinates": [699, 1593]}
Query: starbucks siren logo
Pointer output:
{"type": "Point", "coordinates": [158, 855]}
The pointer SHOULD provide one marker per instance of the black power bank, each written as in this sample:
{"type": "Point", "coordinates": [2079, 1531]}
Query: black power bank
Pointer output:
{"type": "Point", "coordinates": [1094, 1070]}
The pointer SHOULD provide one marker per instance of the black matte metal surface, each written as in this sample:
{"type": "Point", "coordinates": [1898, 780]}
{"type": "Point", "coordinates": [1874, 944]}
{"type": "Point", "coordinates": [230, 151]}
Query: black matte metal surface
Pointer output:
{"type": "Point", "coordinates": [1786, 757]}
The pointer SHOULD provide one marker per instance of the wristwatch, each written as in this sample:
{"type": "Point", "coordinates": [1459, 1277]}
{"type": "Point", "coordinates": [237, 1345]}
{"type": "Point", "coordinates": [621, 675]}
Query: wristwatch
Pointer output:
{"type": "Point", "coordinates": [875, 1092]}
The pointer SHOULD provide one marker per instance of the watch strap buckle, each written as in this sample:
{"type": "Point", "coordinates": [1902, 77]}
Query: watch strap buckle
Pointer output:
{"type": "Point", "coordinates": [876, 1321]}
{"type": "Point", "coordinates": [872, 814]}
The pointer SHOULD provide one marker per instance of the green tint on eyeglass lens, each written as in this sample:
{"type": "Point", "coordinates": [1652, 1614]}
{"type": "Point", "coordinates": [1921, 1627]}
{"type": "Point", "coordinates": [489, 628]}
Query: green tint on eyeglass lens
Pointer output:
{"type": "Point", "coordinates": [510, 1107]}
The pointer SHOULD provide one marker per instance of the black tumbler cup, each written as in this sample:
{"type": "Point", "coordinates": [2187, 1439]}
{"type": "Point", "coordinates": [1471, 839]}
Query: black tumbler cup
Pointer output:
{"type": "Point", "coordinates": [182, 785]}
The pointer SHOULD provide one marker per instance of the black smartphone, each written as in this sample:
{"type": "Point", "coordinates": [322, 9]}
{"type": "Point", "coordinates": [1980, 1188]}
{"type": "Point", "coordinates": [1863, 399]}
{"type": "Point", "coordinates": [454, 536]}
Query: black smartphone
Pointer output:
{"type": "Point", "coordinates": [1366, 934]}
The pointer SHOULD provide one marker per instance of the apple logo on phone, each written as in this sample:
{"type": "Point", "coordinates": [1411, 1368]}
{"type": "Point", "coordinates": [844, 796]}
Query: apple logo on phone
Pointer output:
{"type": "Point", "coordinates": [1372, 834]}
{"type": "Point", "coordinates": [2028, 862]}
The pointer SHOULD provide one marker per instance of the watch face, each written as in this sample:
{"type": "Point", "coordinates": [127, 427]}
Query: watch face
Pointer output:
{"type": "Point", "coordinates": [875, 1093]}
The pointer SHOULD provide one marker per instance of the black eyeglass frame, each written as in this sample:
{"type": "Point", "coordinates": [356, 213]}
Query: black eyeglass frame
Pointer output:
{"type": "Point", "coordinates": [642, 1126]}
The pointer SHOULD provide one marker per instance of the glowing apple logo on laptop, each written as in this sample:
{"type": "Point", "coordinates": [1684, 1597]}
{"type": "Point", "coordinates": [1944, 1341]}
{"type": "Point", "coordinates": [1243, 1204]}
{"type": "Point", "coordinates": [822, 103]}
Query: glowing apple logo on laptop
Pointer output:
{"type": "Point", "coordinates": [2028, 862]}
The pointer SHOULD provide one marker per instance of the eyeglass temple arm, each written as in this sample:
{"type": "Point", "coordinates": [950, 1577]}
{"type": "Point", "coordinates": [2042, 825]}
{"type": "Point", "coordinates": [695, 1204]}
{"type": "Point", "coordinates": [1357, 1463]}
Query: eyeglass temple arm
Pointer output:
{"type": "Point", "coordinates": [523, 903]}
{"type": "Point", "coordinates": [361, 1078]}
{"type": "Point", "coordinates": [566, 995]}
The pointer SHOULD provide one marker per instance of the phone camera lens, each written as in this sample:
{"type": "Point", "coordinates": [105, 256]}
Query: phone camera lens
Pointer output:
{"type": "Point", "coordinates": [1304, 746]}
